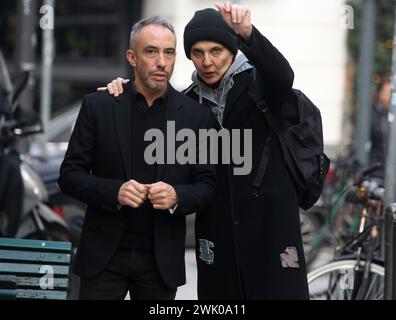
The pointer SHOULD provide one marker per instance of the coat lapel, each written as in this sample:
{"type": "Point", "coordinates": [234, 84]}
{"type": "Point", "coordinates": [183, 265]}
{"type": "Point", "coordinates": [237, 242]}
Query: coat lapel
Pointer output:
{"type": "Point", "coordinates": [172, 113]}
{"type": "Point", "coordinates": [243, 80]}
{"type": "Point", "coordinates": [122, 116]}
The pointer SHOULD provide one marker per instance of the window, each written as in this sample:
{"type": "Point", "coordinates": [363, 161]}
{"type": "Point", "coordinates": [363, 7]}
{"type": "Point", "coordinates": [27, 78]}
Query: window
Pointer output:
{"type": "Point", "coordinates": [88, 29]}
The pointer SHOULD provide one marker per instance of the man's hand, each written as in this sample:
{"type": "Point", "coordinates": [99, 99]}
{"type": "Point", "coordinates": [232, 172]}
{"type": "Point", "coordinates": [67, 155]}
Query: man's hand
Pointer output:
{"type": "Point", "coordinates": [132, 194]}
{"type": "Point", "coordinates": [114, 87]}
{"type": "Point", "coordinates": [162, 195]}
{"type": "Point", "coordinates": [237, 17]}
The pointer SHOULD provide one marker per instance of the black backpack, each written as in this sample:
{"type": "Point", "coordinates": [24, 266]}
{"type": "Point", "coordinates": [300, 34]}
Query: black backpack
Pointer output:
{"type": "Point", "coordinates": [298, 127]}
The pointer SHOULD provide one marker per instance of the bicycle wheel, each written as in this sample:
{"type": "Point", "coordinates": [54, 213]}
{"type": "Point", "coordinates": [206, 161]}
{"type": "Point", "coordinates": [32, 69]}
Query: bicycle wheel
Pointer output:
{"type": "Point", "coordinates": [342, 280]}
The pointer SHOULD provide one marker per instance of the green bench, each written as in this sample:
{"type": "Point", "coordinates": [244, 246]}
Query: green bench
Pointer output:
{"type": "Point", "coordinates": [34, 269]}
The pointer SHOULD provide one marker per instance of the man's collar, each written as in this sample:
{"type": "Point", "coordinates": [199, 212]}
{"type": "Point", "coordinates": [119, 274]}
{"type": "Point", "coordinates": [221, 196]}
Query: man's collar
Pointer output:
{"type": "Point", "coordinates": [162, 98]}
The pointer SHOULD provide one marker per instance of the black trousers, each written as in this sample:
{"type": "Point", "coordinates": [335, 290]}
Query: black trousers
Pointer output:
{"type": "Point", "coordinates": [130, 270]}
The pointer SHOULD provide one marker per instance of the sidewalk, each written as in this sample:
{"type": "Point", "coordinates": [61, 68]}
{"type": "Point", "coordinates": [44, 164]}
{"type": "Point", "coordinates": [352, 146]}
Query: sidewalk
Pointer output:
{"type": "Point", "coordinates": [189, 290]}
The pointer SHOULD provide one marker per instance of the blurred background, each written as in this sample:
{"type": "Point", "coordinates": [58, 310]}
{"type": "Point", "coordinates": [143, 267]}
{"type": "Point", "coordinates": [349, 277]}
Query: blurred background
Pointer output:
{"type": "Point", "coordinates": [320, 38]}
{"type": "Point", "coordinates": [53, 52]}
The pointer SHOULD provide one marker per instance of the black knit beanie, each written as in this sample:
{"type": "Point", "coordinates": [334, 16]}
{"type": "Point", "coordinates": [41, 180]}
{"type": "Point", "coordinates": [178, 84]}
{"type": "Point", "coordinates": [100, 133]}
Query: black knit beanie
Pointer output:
{"type": "Point", "coordinates": [209, 25]}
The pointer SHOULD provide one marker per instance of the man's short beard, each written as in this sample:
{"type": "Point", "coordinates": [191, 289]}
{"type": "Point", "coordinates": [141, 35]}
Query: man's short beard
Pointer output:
{"type": "Point", "coordinates": [152, 85]}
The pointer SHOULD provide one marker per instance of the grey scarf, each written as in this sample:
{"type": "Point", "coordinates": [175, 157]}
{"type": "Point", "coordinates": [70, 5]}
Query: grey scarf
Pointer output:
{"type": "Point", "coordinates": [218, 96]}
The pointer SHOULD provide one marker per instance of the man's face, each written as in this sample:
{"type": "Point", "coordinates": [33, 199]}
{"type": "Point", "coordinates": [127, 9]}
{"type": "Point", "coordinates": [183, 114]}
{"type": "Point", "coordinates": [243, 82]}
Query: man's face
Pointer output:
{"type": "Point", "coordinates": [211, 59]}
{"type": "Point", "coordinates": [153, 57]}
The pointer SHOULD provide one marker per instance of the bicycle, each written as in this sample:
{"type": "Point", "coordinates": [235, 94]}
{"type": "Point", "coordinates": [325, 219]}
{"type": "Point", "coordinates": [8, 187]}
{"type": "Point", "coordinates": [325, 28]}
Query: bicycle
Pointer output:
{"type": "Point", "coordinates": [323, 217]}
{"type": "Point", "coordinates": [357, 272]}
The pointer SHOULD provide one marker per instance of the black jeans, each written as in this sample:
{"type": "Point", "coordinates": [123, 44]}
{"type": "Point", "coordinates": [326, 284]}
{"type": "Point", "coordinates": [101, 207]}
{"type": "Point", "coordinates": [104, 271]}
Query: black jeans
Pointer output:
{"type": "Point", "coordinates": [130, 270]}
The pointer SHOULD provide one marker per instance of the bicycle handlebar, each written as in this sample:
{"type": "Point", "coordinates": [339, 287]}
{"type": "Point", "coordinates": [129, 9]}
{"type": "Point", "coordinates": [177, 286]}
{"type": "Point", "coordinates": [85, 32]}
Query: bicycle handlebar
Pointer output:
{"type": "Point", "coordinates": [367, 172]}
{"type": "Point", "coordinates": [372, 169]}
{"type": "Point", "coordinates": [367, 190]}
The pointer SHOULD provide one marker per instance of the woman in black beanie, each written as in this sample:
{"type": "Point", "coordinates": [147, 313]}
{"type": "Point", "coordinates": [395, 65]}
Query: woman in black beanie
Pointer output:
{"type": "Point", "coordinates": [253, 234]}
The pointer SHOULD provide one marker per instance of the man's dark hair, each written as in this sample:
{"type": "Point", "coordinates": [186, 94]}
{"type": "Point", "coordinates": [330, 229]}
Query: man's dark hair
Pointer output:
{"type": "Point", "coordinates": [154, 20]}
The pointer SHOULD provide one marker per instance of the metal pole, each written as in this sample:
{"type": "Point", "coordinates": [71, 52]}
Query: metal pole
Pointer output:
{"type": "Point", "coordinates": [390, 169]}
{"type": "Point", "coordinates": [47, 25]}
{"type": "Point", "coordinates": [364, 81]}
{"type": "Point", "coordinates": [390, 218]}
{"type": "Point", "coordinates": [26, 47]}
{"type": "Point", "coordinates": [390, 189]}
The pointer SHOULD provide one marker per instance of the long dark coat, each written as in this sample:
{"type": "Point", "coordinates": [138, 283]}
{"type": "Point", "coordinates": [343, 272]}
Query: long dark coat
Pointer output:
{"type": "Point", "coordinates": [245, 247]}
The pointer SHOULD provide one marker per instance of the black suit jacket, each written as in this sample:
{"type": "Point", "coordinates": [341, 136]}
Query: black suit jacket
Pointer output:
{"type": "Point", "coordinates": [98, 162]}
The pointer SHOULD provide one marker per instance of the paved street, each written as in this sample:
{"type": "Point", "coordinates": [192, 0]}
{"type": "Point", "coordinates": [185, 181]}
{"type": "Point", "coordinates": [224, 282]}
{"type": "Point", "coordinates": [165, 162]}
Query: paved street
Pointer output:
{"type": "Point", "coordinates": [189, 290]}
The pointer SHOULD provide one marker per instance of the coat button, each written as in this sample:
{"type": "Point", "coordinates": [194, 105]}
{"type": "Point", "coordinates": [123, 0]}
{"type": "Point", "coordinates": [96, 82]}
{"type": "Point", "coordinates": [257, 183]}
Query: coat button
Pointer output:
{"type": "Point", "coordinates": [236, 221]}
{"type": "Point", "coordinates": [255, 194]}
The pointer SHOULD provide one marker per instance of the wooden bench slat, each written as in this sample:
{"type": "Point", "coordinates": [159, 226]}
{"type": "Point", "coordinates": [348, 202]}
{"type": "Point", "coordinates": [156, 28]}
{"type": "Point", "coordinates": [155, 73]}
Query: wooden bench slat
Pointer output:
{"type": "Point", "coordinates": [23, 268]}
{"type": "Point", "coordinates": [41, 294]}
{"type": "Point", "coordinates": [11, 243]}
{"type": "Point", "coordinates": [59, 283]}
{"type": "Point", "coordinates": [12, 282]}
{"type": "Point", "coordinates": [8, 281]}
{"type": "Point", "coordinates": [30, 256]}
{"type": "Point", "coordinates": [7, 294]}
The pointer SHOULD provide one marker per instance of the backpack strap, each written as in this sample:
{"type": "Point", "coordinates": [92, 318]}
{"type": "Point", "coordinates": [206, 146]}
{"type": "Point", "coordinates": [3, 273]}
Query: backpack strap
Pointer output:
{"type": "Point", "coordinates": [258, 180]}
{"type": "Point", "coordinates": [255, 94]}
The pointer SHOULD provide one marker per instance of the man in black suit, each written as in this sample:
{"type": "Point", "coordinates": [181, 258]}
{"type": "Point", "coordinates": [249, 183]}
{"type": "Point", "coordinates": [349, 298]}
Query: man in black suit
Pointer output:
{"type": "Point", "coordinates": [134, 230]}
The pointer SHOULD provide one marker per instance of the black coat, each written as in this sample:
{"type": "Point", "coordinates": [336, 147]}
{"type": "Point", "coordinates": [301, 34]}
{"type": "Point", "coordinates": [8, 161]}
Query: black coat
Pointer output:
{"type": "Point", "coordinates": [379, 136]}
{"type": "Point", "coordinates": [250, 228]}
{"type": "Point", "coordinates": [98, 162]}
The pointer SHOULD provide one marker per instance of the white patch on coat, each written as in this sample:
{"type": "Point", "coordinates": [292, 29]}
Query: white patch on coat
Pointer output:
{"type": "Point", "coordinates": [205, 254]}
{"type": "Point", "coordinates": [289, 258]}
